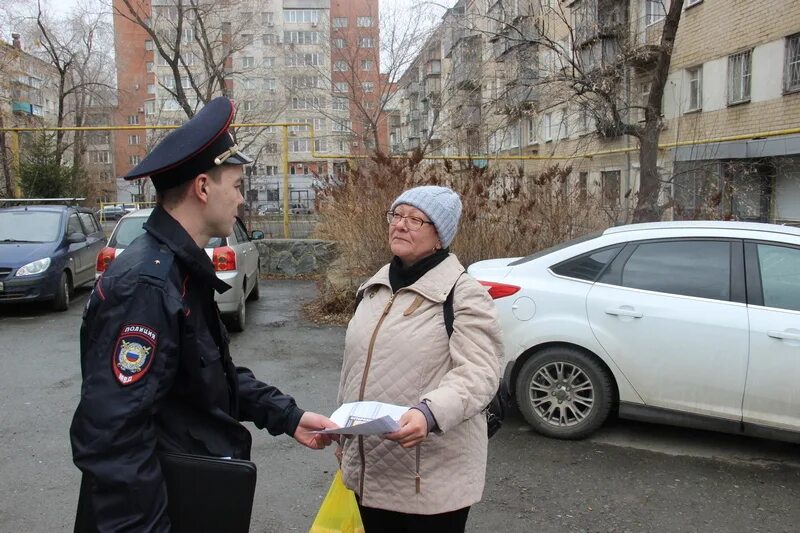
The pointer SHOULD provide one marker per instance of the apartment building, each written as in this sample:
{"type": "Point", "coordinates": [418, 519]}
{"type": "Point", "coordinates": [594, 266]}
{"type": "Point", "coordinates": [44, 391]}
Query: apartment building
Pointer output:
{"type": "Point", "coordinates": [28, 94]}
{"type": "Point", "coordinates": [280, 60]}
{"type": "Point", "coordinates": [512, 78]}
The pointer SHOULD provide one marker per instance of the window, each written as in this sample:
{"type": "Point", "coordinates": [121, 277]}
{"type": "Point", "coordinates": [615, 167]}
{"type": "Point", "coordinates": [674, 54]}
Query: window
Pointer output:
{"type": "Point", "coordinates": [368, 86]}
{"type": "Point", "coordinates": [792, 69]}
{"type": "Point", "coordinates": [365, 42]}
{"type": "Point", "coordinates": [269, 62]}
{"type": "Point", "coordinates": [89, 223]}
{"type": "Point", "coordinates": [364, 22]}
{"type": "Point", "coordinates": [188, 35]}
{"type": "Point", "coordinates": [248, 105]}
{"type": "Point", "coordinates": [297, 16]}
{"type": "Point", "coordinates": [249, 83]}
{"type": "Point", "coordinates": [270, 84]}
{"type": "Point", "coordinates": [74, 225]}
{"type": "Point", "coordinates": [340, 87]}
{"type": "Point", "coordinates": [268, 38]}
{"type": "Point", "coordinates": [739, 74]}
{"type": "Point", "coordinates": [340, 126]}
{"type": "Point", "coordinates": [134, 160]}
{"type": "Point", "coordinates": [655, 10]}
{"type": "Point", "coordinates": [339, 43]}
{"type": "Point", "coordinates": [302, 37]}
{"type": "Point", "coordinates": [150, 66]}
{"type": "Point", "coordinates": [148, 45]}
{"type": "Point", "coordinates": [247, 38]}
{"type": "Point", "coordinates": [367, 64]}
{"type": "Point", "coordinates": [587, 266]}
{"type": "Point", "coordinates": [133, 120]}
{"type": "Point", "coordinates": [532, 137]}
{"type": "Point", "coordinates": [151, 88]}
{"type": "Point", "coordinates": [340, 66]}
{"type": "Point", "coordinates": [340, 22]}
{"type": "Point", "coordinates": [340, 104]}
{"type": "Point", "coordinates": [583, 183]}
{"type": "Point", "coordinates": [271, 148]}
{"type": "Point", "coordinates": [691, 268]}
{"type": "Point", "coordinates": [100, 156]}
{"type": "Point", "coordinates": [188, 58]}
{"type": "Point", "coordinates": [320, 145]}
{"type": "Point", "coordinates": [248, 62]}
{"type": "Point", "coordinates": [564, 126]}
{"type": "Point", "coordinates": [547, 126]}
{"type": "Point", "coordinates": [133, 139]}
{"type": "Point", "coordinates": [167, 81]}
{"type": "Point", "coordinates": [298, 145]}
{"type": "Point", "coordinates": [780, 276]}
{"type": "Point", "coordinates": [268, 18]}
{"type": "Point", "coordinates": [694, 77]}
{"type": "Point", "coordinates": [609, 187]}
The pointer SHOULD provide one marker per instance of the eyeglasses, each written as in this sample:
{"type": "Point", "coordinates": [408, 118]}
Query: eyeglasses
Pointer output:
{"type": "Point", "coordinates": [412, 223]}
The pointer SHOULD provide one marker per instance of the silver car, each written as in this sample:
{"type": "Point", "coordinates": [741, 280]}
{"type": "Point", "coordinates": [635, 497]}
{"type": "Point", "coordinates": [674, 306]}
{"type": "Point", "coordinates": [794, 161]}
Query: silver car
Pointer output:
{"type": "Point", "coordinates": [235, 258]}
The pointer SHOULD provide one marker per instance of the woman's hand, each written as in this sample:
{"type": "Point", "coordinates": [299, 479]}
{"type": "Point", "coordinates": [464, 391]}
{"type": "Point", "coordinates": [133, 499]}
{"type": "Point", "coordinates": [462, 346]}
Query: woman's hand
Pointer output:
{"type": "Point", "coordinates": [413, 429]}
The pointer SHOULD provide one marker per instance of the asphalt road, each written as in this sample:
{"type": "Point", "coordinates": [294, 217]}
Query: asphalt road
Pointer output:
{"type": "Point", "coordinates": [629, 477]}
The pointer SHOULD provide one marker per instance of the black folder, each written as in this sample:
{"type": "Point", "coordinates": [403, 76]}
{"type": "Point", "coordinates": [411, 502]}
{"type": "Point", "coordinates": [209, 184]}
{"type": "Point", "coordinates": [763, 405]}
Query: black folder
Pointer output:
{"type": "Point", "coordinates": [205, 495]}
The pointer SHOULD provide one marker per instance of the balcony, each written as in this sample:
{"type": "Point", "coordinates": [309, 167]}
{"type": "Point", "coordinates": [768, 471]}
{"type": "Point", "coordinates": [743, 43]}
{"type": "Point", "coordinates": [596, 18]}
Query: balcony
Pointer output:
{"type": "Point", "coordinates": [597, 19]}
{"type": "Point", "coordinates": [27, 108]}
{"type": "Point", "coordinates": [466, 115]}
{"type": "Point", "coordinates": [433, 68]}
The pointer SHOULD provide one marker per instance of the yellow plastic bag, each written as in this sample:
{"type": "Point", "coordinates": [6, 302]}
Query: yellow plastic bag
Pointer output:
{"type": "Point", "coordinates": [339, 510]}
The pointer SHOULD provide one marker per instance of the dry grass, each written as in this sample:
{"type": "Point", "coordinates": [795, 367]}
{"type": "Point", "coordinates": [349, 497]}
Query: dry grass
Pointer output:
{"type": "Point", "coordinates": [505, 214]}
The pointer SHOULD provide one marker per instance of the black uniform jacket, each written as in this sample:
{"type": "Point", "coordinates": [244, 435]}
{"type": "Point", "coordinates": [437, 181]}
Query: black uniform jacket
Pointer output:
{"type": "Point", "coordinates": [157, 375]}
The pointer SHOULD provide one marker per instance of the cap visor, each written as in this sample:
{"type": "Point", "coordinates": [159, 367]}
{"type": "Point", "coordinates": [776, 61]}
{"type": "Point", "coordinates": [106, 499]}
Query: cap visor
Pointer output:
{"type": "Point", "coordinates": [238, 159]}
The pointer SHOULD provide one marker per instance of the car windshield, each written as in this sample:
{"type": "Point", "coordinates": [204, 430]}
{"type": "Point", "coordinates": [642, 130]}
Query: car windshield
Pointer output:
{"type": "Point", "coordinates": [127, 230]}
{"type": "Point", "coordinates": [30, 226]}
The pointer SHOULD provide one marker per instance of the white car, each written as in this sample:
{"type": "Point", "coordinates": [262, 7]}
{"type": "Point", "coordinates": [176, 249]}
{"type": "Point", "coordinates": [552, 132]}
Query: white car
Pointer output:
{"type": "Point", "coordinates": [235, 258]}
{"type": "Point", "coordinates": [686, 323]}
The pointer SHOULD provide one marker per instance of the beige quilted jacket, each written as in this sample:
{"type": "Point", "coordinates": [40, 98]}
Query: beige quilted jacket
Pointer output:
{"type": "Point", "coordinates": [397, 351]}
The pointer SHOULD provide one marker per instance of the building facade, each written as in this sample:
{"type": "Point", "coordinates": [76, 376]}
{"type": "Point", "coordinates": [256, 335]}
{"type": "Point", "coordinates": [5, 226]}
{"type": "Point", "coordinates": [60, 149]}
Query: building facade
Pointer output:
{"type": "Point", "coordinates": [282, 61]}
{"type": "Point", "coordinates": [517, 80]}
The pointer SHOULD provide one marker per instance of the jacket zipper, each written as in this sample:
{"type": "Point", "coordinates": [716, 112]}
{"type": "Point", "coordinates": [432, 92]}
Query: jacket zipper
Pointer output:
{"type": "Point", "coordinates": [364, 386]}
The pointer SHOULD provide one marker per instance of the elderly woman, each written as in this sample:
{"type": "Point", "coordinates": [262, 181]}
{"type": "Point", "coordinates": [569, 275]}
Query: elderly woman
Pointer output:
{"type": "Point", "coordinates": [425, 476]}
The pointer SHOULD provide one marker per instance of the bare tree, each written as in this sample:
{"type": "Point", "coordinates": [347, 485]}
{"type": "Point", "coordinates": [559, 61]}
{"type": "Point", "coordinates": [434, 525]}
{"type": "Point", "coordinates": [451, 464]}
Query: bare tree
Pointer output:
{"type": "Point", "coordinates": [591, 66]}
{"type": "Point", "coordinates": [197, 41]}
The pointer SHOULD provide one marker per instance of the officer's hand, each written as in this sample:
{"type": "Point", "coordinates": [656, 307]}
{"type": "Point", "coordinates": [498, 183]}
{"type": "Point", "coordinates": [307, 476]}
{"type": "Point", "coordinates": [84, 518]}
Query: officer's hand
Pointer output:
{"type": "Point", "coordinates": [309, 423]}
{"type": "Point", "coordinates": [413, 429]}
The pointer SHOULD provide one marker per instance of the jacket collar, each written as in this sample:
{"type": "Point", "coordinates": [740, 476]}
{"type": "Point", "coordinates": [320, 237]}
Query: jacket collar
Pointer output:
{"type": "Point", "coordinates": [171, 234]}
{"type": "Point", "coordinates": [433, 285]}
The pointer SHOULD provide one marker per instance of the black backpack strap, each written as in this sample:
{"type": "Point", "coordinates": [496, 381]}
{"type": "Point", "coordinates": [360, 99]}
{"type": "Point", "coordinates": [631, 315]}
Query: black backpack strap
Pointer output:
{"type": "Point", "coordinates": [447, 311]}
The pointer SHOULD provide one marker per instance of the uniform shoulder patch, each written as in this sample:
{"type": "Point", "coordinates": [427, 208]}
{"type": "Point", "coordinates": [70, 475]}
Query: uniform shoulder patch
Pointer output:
{"type": "Point", "coordinates": [133, 353]}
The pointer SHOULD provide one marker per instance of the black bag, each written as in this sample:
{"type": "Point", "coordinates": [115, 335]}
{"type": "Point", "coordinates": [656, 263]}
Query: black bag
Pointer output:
{"type": "Point", "coordinates": [496, 410]}
{"type": "Point", "coordinates": [204, 494]}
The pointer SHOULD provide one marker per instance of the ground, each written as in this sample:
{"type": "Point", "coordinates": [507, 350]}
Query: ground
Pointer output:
{"type": "Point", "coordinates": [628, 477]}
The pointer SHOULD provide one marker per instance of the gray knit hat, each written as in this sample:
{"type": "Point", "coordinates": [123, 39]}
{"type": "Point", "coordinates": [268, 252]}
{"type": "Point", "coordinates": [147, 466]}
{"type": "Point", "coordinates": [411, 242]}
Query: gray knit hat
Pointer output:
{"type": "Point", "coordinates": [442, 205]}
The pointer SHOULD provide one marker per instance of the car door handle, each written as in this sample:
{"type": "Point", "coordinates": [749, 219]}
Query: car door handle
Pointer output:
{"type": "Point", "coordinates": [621, 311]}
{"type": "Point", "coordinates": [786, 335]}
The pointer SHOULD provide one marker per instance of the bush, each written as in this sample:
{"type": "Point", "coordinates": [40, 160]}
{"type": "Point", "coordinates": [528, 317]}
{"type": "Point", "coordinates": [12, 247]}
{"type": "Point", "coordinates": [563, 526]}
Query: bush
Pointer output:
{"type": "Point", "coordinates": [506, 213]}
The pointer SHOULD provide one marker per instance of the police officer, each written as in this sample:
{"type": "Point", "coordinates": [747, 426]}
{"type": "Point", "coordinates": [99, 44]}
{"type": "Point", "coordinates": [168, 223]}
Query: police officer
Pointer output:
{"type": "Point", "coordinates": [157, 374]}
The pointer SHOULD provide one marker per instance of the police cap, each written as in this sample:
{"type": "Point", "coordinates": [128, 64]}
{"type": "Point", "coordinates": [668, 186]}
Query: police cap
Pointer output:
{"type": "Point", "coordinates": [199, 145]}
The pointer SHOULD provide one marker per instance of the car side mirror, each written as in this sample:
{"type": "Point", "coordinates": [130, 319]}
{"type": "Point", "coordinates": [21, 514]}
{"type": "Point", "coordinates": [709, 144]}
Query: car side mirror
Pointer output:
{"type": "Point", "coordinates": [257, 235]}
{"type": "Point", "coordinates": [74, 238]}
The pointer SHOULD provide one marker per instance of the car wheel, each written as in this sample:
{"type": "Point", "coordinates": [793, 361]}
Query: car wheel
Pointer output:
{"type": "Point", "coordinates": [564, 393]}
{"type": "Point", "coordinates": [255, 294]}
{"type": "Point", "coordinates": [61, 301]}
{"type": "Point", "coordinates": [237, 319]}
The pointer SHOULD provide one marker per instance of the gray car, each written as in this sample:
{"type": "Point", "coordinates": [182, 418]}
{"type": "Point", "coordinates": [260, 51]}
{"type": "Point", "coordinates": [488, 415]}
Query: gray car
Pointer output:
{"type": "Point", "coordinates": [235, 257]}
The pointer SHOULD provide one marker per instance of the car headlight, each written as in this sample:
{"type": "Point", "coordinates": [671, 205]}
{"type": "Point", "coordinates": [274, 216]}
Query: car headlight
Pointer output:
{"type": "Point", "coordinates": [36, 267]}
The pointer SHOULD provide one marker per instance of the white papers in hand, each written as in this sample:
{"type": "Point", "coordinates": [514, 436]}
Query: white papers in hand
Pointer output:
{"type": "Point", "coordinates": [366, 418]}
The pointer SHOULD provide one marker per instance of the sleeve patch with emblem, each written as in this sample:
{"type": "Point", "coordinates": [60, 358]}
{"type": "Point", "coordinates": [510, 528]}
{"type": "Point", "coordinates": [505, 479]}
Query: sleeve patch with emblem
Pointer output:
{"type": "Point", "coordinates": [133, 353]}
